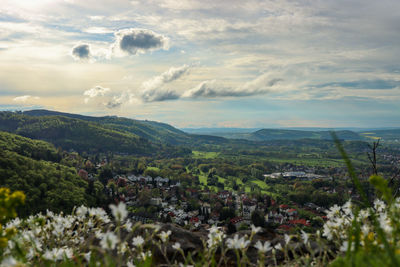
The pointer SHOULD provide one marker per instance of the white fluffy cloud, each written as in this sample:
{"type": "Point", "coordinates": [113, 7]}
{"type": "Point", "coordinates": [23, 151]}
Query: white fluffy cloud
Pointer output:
{"type": "Point", "coordinates": [155, 90]}
{"type": "Point", "coordinates": [95, 92]}
{"type": "Point", "coordinates": [211, 89]}
{"type": "Point", "coordinates": [25, 98]}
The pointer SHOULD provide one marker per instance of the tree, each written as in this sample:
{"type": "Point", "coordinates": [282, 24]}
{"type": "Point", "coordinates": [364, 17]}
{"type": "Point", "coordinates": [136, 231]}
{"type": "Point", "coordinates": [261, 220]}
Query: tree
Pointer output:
{"type": "Point", "coordinates": [257, 219]}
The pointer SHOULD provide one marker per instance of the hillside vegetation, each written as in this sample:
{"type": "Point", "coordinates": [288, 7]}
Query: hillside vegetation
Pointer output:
{"type": "Point", "coordinates": [32, 167]}
{"type": "Point", "coordinates": [77, 134]}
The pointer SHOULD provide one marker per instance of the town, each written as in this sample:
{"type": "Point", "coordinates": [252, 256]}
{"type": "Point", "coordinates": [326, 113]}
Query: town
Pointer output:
{"type": "Point", "coordinates": [158, 199]}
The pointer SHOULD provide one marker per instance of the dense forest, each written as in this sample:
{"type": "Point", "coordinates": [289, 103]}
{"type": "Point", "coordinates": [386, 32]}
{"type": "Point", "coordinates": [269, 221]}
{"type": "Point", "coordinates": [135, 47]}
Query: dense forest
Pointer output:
{"type": "Point", "coordinates": [80, 135]}
{"type": "Point", "coordinates": [43, 174]}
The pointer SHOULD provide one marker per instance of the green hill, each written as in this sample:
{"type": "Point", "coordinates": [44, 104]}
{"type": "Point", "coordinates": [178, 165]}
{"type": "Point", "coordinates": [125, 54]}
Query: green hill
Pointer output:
{"type": "Point", "coordinates": [277, 134]}
{"type": "Point", "coordinates": [31, 166]}
{"type": "Point", "coordinates": [155, 132]}
{"type": "Point", "coordinates": [77, 134]}
{"type": "Point", "coordinates": [392, 135]}
{"type": "Point", "coordinates": [151, 130]}
{"type": "Point", "coordinates": [283, 134]}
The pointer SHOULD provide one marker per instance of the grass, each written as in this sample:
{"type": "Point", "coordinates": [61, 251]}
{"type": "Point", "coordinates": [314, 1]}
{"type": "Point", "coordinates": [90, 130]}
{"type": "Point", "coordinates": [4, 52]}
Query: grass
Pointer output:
{"type": "Point", "coordinates": [261, 184]}
{"type": "Point", "coordinates": [371, 136]}
{"type": "Point", "coordinates": [153, 168]}
{"type": "Point", "coordinates": [204, 154]}
{"type": "Point", "coordinates": [203, 179]}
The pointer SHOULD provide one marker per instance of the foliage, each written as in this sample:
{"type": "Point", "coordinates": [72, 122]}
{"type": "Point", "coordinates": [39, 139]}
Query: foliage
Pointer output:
{"type": "Point", "coordinates": [47, 185]}
{"type": "Point", "coordinates": [81, 135]}
{"type": "Point", "coordinates": [8, 204]}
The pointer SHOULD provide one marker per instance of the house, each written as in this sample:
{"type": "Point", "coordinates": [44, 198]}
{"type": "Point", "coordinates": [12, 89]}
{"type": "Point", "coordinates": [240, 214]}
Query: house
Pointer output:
{"type": "Point", "coordinates": [224, 194]}
{"type": "Point", "coordinates": [236, 221]}
{"type": "Point", "coordinates": [273, 175]}
{"type": "Point", "coordinates": [284, 227]}
{"type": "Point", "coordinates": [195, 221]}
{"type": "Point", "coordinates": [206, 208]}
{"type": "Point", "coordinates": [299, 222]}
{"type": "Point", "coordinates": [156, 201]}
{"type": "Point", "coordinates": [291, 212]}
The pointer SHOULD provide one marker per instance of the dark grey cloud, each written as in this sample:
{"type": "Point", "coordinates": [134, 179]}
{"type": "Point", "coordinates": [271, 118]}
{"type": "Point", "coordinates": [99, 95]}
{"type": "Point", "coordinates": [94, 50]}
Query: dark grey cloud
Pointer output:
{"type": "Point", "coordinates": [133, 41]}
{"type": "Point", "coordinates": [364, 84]}
{"type": "Point", "coordinates": [81, 52]}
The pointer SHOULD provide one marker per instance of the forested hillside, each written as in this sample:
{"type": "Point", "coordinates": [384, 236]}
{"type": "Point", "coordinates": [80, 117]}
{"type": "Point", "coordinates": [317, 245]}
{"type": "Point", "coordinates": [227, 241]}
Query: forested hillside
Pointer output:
{"type": "Point", "coordinates": [151, 130]}
{"type": "Point", "coordinates": [32, 167]}
{"type": "Point", "coordinates": [80, 135]}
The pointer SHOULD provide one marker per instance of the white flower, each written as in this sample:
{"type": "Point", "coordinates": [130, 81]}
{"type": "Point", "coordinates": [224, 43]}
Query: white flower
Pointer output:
{"type": "Point", "coordinates": [348, 208]}
{"type": "Point", "coordinates": [128, 226]}
{"type": "Point", "coordinates": [58, 254]}
{"type": "Point", "coordinates": [87, 256]}
{"type": "Point", "coordinates": [345, 246]}
{"type": "Point", "coordinates": [164, 235]}
{"type": "Point", "coordinates": [379, 205]}
{"type": "Point", "coordinates": [145, 255]}
{"type": "Point", "coordinates": [58, 230]}
{"type": "Point", "coordinates": [215, 236]}
{"type": "Point", "coordinates": [364, 214]}
{"type": "Point", "coordinates": [100, 214]}
{"type": "Point", "coordinates": [278, 246]}
{"type": "Point", "coordinates": [81, 211]}
{"type": "Point", "coordinates": [138, 241]}
{"type": "Point", "coordinates": [48, 255]}
{"type": "Point", "coordinates": [123, 247]}
{"type": "Point", "coordinates": [98, 234]}
{"type": "Point", "coordinates": [365, 229]}
{"type": "Point", "coordinates": [9, 261]}
{"type": "Point", "coordinates": [176, 246]}
{"type": "Point", "coordinates": [130, 264]}
{"type": "Point", "coordinates": [304, 235]}
{"type": "Point", "coordinates": [119, 212]}
{"type": "Point", "coordinates": [68, 253]}
{"type": "Point", "coordinates": [327, 232]}
{"type": "Point", "coordinates": [237, 243]}
{"type": "Point", "coordinates": [109, 241]}
{"type": "Point", "coordinates": [263, 248]}
{"type": "Point", "coordinates": [287, 239]}
{"type": "Point", "coordinates": [255, 230]}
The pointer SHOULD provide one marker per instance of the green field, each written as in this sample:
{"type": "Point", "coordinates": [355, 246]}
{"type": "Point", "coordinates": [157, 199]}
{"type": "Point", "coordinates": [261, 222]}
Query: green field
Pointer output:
{"type": "Point", "coordinates": [204, 154]}
{"type": "Point", "coordinates": [153, 168]}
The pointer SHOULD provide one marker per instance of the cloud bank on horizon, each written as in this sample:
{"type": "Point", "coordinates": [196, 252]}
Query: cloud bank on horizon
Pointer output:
{"type": "Point", "coordinates": [259, 62]}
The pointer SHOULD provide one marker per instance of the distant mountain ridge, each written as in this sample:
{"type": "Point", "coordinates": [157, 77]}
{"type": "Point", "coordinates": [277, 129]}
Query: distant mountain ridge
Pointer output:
{"type": "Point", "coordinates": [254, 134]}
{"type": "Point", "coordinates": [149, 138]}
{"type": "Point", "coordinates": [151, 130]}
{"type": "Point", "coordinates": [103, 134]}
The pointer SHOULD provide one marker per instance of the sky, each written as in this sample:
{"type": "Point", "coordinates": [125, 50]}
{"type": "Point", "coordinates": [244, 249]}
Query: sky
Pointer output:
{"type": "Point", "coordinates": [205, 63]}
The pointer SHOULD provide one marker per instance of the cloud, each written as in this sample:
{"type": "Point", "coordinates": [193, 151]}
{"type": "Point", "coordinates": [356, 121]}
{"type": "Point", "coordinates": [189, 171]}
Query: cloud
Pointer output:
{"type": "Point", "coordinates": [162, 94]}
{"type": "Point", "coordinates": [207, 89]}
{"type": "Point", "coordinates": [98, 30]}
{"type": "Point", "coordinates": [168, 76]}
{"type": "Point", "coordinates": [364, 84]}
{"type": "Point", "coordinates": [25, 98]}
{"type": "Point", "coordinates": [115, 102]}
{"type": "Point", "coordinates": [95, 92]}
{"type": "Point", "coordinates": [210, 89]}
{"type": "Point", "coordinates": [101, 96]}
{"type": "Point", "coordinates": [134, 41]}
{"type": "Point", "coordinates": [81, 52]}
{"type": "Point", "coordinates": [154, 90]}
